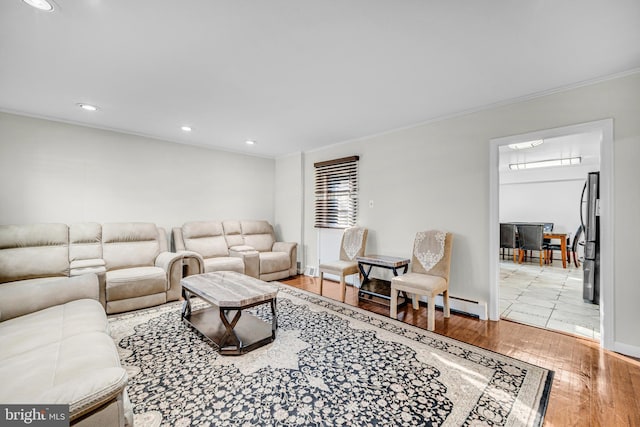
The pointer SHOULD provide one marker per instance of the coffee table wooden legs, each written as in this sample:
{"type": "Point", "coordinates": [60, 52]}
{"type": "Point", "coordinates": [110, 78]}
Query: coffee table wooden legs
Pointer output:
{"type": "Point", "coordinates": [186, 305]}
{"type": "Point", "coordinates": [230, 338]}
{"type": "Point", "coordinates": [235, 332]}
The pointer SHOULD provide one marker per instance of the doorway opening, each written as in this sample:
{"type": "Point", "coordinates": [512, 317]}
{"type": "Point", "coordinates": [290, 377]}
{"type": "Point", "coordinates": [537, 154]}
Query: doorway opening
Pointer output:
{"type": "Point", "coordinates": [534, 291]}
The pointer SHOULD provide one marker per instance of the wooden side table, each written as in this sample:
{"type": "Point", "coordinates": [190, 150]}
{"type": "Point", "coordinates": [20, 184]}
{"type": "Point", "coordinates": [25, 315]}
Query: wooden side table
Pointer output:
{"type": "Point", "coordinates": [373, 287]}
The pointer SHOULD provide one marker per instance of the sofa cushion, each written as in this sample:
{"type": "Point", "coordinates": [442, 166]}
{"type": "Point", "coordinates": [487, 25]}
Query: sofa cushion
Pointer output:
{"type": "Point", "coordinates": [274, 261]}
{"type": "Point", "coordinates": [34, 250]}
{"type": "Point", "coordinates": [85, 266]}
{"type": "Point", "coordinates": [208, 247]}
{"type": "Point", "coordinates": [130, 244]}
{"type": "Point", "coordinates": [261, 242]}
{"type": "Point", "coordinates": [258, 234]}
{"type": "Point", "coordinates": [85, 241]}
{"type": "Point", "coordinates": [135, 282]}
{"type": "Point", "coordinates": [38, 280]}
{"type": "Point", "coordinates": [198, 229]}
{"type": "Point", "coordinates": [65, 371]}
{"type": "Point", "coordinates": [28, 296]}
{"type": "Point", "coordinates": [233, 232]}
{"type": "Point", "coordinates": [256, 227]}
{"type": "Point", "coordinates": [24, 333]}
{"type": "Point", "coordinates": [224, 264]}
{"type": "Point", "coordinates": [205, 238]}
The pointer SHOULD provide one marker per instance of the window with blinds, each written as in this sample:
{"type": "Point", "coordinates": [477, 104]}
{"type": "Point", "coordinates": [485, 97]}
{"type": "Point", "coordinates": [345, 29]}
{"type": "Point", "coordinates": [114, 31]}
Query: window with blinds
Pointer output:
{"type": "Point", "coordinates": [336, 193]}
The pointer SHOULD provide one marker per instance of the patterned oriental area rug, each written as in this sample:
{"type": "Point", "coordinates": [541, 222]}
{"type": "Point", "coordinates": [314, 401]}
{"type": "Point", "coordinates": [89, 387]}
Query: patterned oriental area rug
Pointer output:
{"type": "Point", "coordinates": [331, 364]}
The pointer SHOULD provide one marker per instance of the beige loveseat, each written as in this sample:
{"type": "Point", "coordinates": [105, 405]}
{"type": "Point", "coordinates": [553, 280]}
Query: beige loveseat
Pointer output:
{"type": "Point", "coordinates": [247, 247]}
{"type": "Point", "coordinates": [134, 267]}
{"type": "Point", "coordinates": [55, 348]}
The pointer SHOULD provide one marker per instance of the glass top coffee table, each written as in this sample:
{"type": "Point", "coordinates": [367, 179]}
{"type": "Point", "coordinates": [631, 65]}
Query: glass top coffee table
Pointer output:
{"type": "Point", "coordinates": [224, 323]}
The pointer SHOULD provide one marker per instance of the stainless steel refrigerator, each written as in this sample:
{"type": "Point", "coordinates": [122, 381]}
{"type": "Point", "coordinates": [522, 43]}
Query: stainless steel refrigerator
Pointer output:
{"type": "Point", "coordinates": [590, 217]}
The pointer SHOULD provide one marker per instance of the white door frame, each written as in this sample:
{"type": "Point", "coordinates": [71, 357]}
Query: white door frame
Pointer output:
{"type": "Point", "coordinates": [606, 219]}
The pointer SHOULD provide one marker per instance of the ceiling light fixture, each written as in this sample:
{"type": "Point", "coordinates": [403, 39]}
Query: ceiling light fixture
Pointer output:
{"type": "Point", "coordinates": [40, 4]}
{"type": "Point", "coordinates": [250, 142]}
{"type": "Point", "coordinates": [546, 163]}
{"type": "Point", "coordinates": [527, 144]}
{"type": "Point", "coordinates": [87, 107]}
{"type": "Point", "coordinates": [186, 128]}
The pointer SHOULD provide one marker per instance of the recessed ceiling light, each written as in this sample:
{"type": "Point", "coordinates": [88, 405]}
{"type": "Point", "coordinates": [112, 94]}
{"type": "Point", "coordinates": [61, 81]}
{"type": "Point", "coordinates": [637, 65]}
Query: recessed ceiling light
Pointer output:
{"type": "Point", "coordinates": [87, 107]}
{"type": "Point", "coordinates": [527, 144]}
{"type": "Point", "coordinates": [40, 4]}
{"type": "Point", "coordinates": [186, 128]}
{"type": "Point", "coordinates": [250, 142]}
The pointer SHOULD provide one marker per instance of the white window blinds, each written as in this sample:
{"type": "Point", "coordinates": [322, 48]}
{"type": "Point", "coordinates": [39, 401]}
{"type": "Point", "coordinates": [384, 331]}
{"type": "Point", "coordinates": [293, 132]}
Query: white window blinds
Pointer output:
{"type": "Point", "coordinates": [336, 193]}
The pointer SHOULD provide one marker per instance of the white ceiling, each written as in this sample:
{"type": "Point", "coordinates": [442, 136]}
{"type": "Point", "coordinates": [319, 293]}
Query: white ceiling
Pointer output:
{"type": "Point", "coordinates": [297, 75]}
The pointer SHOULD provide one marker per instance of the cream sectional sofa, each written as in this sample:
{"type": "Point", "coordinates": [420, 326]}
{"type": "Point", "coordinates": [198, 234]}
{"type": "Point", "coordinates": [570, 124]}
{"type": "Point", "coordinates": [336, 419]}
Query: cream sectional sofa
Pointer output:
{"type": "Point", "coordinates": [247, 246]}
{"type": "Point", "coordinates": [55, 348]}
{"type": "Point", "coordinates": [57, 282]}
{"type": "Point", "coordinates": [131, 259]}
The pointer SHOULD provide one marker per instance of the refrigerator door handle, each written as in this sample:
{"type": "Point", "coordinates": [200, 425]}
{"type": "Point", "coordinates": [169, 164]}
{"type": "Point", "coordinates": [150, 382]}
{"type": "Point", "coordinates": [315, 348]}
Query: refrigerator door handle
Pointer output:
{"type": "Point", "coordinates": [584, 188]}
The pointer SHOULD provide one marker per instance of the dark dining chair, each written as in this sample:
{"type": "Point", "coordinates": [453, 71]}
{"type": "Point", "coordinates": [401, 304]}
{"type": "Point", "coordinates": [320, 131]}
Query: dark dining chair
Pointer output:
{"type": "Point", "coordinates": [531, 238]}
{"type": "Point", "coordinates": [508, 239]}
{"type": "Point", "coordinates": [548, 228]}
{"type": "Point", "coordinates": [572, 247]}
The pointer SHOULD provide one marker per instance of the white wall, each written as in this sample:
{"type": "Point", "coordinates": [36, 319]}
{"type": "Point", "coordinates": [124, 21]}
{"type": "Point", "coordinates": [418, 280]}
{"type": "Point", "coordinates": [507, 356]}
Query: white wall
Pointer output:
{"type": "Point", "coordinates": [57, 172]}
{"type": "Point", "coordinates": [436, 176]}
{"type": "Point", "coordinates": [550, 201]}
{"type": "Point", "coordinates": [288, 201]}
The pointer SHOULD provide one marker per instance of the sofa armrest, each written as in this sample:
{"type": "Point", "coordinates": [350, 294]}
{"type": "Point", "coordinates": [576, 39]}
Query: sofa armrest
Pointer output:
{"type": "Point", "coordinates": [171, 262]}
{"type": "Point", "coordinates": [192, 263]}
{"type": "Point", "coordinates": [242, 248]}
{"type": "Point", "coordinates": [88, 392]}
{"type": "Point", "coordinates": [17, 299]}
{"type": "Point", "coordinates": [168, 260]}
{"type": "Point", "coordinates": [283, 247]}
{"type": "Point", "coordinates": [290, 248]}
{"type": "Point", "coordinates": [250, 258]}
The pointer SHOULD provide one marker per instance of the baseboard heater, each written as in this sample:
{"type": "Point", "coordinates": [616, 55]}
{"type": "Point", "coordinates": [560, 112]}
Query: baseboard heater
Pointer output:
{"type": "Point", "coordinates": [465, 306]}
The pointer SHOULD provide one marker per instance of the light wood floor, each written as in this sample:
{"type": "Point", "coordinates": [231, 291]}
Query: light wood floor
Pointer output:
{"type": "Point", "coordinates": [591, 386]}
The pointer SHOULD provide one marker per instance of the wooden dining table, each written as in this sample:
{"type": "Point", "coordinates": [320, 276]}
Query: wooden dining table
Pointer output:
{"type": "Point", "coordinates": [552, 235]}
{"type": "Point", "coordinates": [563, 244]}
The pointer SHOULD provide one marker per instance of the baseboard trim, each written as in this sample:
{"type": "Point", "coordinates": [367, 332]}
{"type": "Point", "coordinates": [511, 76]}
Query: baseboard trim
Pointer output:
{"type": "Point", "coordinates": [456, 304]}
{"type": "Point", "coordinates": [461, 305]}
{"type": "Point", "coordinates": [626, 349]}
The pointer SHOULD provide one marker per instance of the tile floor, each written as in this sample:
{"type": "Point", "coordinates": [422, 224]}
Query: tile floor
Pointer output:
{"type": "Point", "coordinates": [549, 297]}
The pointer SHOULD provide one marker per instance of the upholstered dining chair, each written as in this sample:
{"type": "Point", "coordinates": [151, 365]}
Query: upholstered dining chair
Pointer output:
{"type": "Point", "coordinates": [508, 239]}
{"type": "Point", "coordinates": [531, 238]}
{"type": "Point", "coordinates": [429, 276]}
{"type": "Point", "coordinates": [572, 248]}
{"type": "Point", "coordinates": [353, 244]}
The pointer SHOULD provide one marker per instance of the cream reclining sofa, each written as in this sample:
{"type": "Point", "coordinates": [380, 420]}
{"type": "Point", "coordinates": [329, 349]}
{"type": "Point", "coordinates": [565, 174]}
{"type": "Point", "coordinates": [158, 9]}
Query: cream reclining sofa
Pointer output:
{"type": "Point", "coordinates": [140, 270]}
{"type": "Point", "coordinates": [135, 269]}
{"type": "Point", "coordinates": [55, 346]}
{"type": "Point", "coordinates": [247, 247]}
